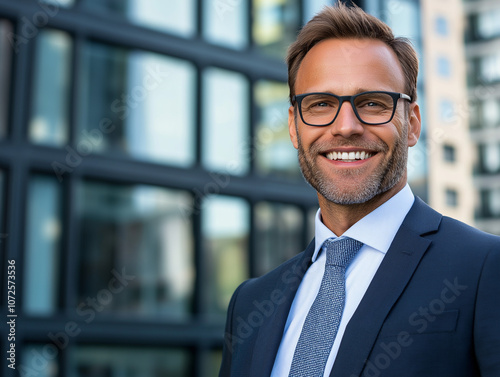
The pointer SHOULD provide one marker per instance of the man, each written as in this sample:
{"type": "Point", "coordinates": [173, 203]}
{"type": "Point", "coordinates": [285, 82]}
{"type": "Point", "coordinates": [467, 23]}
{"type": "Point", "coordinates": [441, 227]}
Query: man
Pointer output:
{"type": "Point", "coordinates": [411, 293]}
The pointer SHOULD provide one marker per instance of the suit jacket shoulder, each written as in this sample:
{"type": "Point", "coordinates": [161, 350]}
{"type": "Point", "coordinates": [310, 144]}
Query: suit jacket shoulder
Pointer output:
{"type": "Point", "coordinates": [256, 318]}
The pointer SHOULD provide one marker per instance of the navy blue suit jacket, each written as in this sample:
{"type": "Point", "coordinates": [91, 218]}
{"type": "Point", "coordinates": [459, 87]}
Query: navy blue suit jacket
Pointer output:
{"type": "Point", "coordinates": [431, 310]}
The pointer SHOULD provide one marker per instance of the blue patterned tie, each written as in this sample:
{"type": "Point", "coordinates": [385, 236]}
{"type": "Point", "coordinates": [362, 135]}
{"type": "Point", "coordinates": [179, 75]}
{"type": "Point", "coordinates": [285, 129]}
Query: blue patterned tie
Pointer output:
{"type": "Point", "coordinates": [322, 321]}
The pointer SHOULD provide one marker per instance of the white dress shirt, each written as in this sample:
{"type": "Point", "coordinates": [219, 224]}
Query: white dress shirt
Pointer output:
{"type": "Point", "coordinates": [376, 231]}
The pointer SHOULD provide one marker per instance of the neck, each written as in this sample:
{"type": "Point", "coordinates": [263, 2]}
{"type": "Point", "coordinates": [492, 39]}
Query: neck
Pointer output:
{"type": "Point", "coordinates": [340, 217]}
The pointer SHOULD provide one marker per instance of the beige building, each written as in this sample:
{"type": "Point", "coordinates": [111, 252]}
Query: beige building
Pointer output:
{"type": "Point", "coordinates": [451, 155]}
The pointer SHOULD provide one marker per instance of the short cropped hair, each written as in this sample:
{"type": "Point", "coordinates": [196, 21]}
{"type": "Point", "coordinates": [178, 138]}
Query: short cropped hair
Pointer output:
{"type": "Point", "coordinates": [343, 22]}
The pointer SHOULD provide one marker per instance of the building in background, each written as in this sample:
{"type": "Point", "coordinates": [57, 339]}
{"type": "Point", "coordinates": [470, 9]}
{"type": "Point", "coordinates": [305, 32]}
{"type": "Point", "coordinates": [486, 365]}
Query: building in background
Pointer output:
{"type": "Point", "coordinates": [405, 19]}
{"type": "Point", "coordinates": [146, 168]}
{"type": "Point", "coordinates": [145, 171]}
{"type": "Point", "coordinates": [482, 37]}
{"type": "Point", "coordinates": [449, 149]}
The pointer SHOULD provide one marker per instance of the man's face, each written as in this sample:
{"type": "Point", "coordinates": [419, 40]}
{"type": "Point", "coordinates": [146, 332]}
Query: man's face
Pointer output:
{"type": "Point", "coordinates": [348, 67]}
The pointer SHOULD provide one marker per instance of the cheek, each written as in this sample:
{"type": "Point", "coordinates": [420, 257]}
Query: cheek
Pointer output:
{"type": "Point", "coordinates": [309, 135]}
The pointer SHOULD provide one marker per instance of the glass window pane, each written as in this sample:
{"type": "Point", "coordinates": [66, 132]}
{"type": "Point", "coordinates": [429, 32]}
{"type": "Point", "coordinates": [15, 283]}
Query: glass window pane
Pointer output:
{"type": "Point", "coordinates": [311, 217]}
{"type": "Point", "coordinates": [51, 87]}
{"type": "Point", "coordinates": [5, 74]}
{"type": "Point", "coordinates": [39, 360]}
{"type": "Point", "coordinates": [278, 235]}
{"type": "Point", "coordinates": [60, 3]}
{"type": "Point", "coordinates": [443, 66]}
{"type": "Point", "coordinates": [3, 235]}
{"type": "Point", "coordinates": [43, 241]}
{"type": "Point", "coordinates": [225, 22]}
{"type": "Point", "coordinates": [275, 25]}
{"type": "Point", "coordinates": [489, 68]}
{"type": "Point", "coordinates": [226, 121]}
{"type": "Point", "coordinates": [494, 202]}
{"type": "Point", "coordinates": [173, 16]}
{"type": "Point", "coordinates": [490, 111]}
{"type": "Point", "coordinates": [441, 25]}
{"type": "Point", "coordinates": [106, 361]}
{"type": "Point", "coordinates": [449, 153]}
{"type": "Point", "coordinates": [311, 7]}
{"type": "Point", "coordinates": [488, 25]}
{"type": "Point", "coordinates": [451, 196]}
{"type": "Point", "coordinates": [275, 153]}
{"type": "Point", "coordinates": [225, 229]}
{"type": "Point", "coordinates": [213, 364]}
{"type": "Point", "coordinates": [136, 250]}
{"type": "Point", "coordinates": [137, 103]}
{"type": "Point", "coordinates": [491, 157]}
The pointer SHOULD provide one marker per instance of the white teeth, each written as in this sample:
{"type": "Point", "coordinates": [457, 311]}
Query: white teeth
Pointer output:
{"type": "Point", "coordinates": [348, 156]}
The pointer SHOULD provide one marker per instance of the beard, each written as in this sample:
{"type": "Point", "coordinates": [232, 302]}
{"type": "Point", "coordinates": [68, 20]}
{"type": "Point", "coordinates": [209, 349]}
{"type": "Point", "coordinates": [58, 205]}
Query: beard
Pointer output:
{"type": "Point", "coordinates": [382, 179]}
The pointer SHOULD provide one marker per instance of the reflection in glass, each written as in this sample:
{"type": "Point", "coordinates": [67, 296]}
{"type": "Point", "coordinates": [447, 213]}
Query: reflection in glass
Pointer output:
{"type": "Point", "coordinates": [43, 241]}
{"type": "Point", "coordinates": [491, 113]}
{"type": "Point", "coordinates": [275, 25]}
{"type": "Point", "coordinates": [278, 235]}
{"type": "Point", "coordinates": [493, 202]}
{"type": "Point", "coordinates": [214, 362]}
{"type": "Point", "coordinates": [34, 356]}
{"type": "Point", "coordinates": [59, 3]}
{"type": "Point", "coordinates": [225, 22]}
{"type": "Point", "coordinates": [225, 229]}
{"type": "Point", "coordinates": [137, 103]}
{"type": "Point", "coordinates": [3, 235]}
{"type": "Point", "coordinates": [50, 116]}
{"type": "Point", "coordinates": [107, 361]}
{"type": "Point", "coordinates": [403, 16]}
{"type": "Point", "coordinates": [138, 240]}
{"type": "Point", "coordinates": [274, 151]}
{"type": "Point", "coordinates": [226, 121]}
{"type": "Point", "coordinates": [311, 7]}
{"type": "Point", "coordinates": [173, 16]}
{"type": "Point", "coordinates": [487, 24]}
{"type": "Point", "coordinates": [489, 68]}
{"type": "Point", "coordinates": [491, 157]}
{"type": "Point", "coordinates": [5, 74]}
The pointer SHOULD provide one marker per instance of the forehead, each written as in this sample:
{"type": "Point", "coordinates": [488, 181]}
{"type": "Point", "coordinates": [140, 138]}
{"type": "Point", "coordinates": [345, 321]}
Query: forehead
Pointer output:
{"type": "Point", "coordinates": [347, 66]}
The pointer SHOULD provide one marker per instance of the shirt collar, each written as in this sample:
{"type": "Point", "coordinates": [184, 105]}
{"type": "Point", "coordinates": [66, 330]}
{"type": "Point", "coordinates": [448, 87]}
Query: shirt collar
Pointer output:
{"type": "Point", "coordinates": [377, 229]}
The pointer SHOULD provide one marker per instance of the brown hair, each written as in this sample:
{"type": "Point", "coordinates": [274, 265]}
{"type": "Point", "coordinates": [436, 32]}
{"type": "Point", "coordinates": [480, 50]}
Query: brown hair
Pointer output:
{"type": "Point", "coordinates": [341, 21]}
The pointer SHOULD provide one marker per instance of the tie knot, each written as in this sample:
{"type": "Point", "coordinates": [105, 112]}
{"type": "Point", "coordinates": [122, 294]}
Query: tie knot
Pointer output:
{"type": "Point", "coordinates": [341, 252]}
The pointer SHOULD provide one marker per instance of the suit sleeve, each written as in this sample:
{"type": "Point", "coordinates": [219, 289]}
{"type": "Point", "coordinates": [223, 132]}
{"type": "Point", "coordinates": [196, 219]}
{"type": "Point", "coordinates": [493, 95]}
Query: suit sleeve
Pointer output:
{"type": "Point", "coordinates": [229, 338]}
{"type": "Point", "coordinates": [487, 318]}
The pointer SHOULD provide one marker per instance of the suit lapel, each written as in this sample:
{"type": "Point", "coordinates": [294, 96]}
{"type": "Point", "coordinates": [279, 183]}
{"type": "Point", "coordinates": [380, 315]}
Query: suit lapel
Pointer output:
{"type": "Point", "coordinates": [271, 331]}
{"type": "Point", "coordinates": [389, 282]}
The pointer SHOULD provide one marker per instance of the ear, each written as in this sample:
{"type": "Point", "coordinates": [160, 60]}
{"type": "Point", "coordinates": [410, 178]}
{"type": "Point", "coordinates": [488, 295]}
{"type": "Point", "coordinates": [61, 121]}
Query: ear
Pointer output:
{"type": "Point", "coordinates": [292, 129]}
{"type": "Point", "coordinates": [414, 124]}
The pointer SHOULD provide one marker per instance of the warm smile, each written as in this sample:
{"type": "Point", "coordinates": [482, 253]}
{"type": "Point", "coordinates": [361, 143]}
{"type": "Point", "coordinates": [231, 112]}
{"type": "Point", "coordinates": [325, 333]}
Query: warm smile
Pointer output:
{"type": "Point", "coordinates": [351, 156]}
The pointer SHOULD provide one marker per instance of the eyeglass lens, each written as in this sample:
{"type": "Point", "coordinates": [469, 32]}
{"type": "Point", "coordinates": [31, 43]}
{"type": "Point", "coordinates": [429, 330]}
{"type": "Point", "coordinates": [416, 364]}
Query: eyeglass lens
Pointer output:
{"type": "Point", "coordinates": [321, 109]}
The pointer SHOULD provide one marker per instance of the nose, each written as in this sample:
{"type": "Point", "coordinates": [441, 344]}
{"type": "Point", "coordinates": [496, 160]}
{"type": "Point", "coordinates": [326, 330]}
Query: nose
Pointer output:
{"type": "Point", "coordinates": [346, 124]}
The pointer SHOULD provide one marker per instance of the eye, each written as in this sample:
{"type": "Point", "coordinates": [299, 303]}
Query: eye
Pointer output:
{"type": "Point", "coordinates": [371, 104]}
{"type": "Point", "coordinates": [319, 103]}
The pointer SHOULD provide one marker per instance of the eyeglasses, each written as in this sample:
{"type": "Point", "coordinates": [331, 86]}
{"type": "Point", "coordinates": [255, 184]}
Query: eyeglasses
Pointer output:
{"type": "Point", "coordinates": [374, 108]}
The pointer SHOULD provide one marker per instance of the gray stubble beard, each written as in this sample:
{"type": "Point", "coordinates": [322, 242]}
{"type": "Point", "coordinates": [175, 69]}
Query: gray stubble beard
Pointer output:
{"type": "Point", "coordinates": [383, 179]}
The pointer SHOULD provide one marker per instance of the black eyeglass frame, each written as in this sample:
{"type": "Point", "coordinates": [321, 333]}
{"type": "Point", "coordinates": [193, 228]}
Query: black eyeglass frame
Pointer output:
{"type": "Point", "coordinates": [297, 99]}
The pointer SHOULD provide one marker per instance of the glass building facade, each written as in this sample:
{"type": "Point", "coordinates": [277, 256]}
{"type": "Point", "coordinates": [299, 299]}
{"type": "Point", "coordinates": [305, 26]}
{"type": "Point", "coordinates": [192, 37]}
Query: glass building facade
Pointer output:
{"type": "Point", "coordinates": [482, 36]}
{"type": "Point", "coordinates": [145, 172]}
